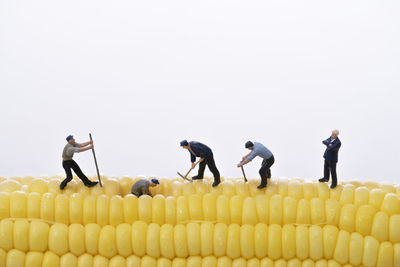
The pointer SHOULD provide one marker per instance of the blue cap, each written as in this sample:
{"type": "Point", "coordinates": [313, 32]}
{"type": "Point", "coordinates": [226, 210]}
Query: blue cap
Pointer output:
{"type": "Point", "coordinates": [155, 181]}
{"type": "Point", "coordinates": [69, 137]}
{"type": "Point", "coordinates": [184, 143]}
{"type": "Point", "coordinates": [248, 144]}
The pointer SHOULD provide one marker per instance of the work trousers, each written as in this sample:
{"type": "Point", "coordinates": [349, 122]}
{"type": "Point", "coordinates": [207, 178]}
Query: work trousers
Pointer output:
{"type": "Point", "coordinates": [265, 170]}
{"type": "Point", "coordinates": [330, 168]}
{"type": "Point", "coordinates": [211, 165]}
{"type": "Point", "coordinates": [71, 164]}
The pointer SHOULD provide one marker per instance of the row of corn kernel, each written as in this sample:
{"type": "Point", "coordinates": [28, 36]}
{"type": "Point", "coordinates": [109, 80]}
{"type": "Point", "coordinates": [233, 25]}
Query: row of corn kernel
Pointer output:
{"type": "Point", "coordinates": [16, 258]}
{"type": "Point", "coordinates": [114, 210]}
{"type": "Point", "coordinates": [122, 186]}
{"type": "Point", "coordinates": [198, 239]}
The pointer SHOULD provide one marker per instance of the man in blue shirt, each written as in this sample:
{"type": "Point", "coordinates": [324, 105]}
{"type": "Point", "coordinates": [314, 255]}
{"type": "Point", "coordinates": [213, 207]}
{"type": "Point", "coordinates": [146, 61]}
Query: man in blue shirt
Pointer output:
{"type": "Point", "coordinates": [333, 145]}
{"type": "Point", "coordinates": [197, 149]}
{"type": "Point", "coordinates": [258, 149]}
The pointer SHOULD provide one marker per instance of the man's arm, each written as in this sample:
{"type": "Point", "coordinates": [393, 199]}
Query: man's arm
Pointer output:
{"type": "Point", "coordinates": [192, 157]}
{"type": "Point", "coordinates": [86, 148]}
{"type": "Point", "coordinates": [326, 142]}
{"type": "Point", "coordinates": [86, 143]}
{"type": "Point", "coordinates": [244, 162]}
{"type": "Point", "coordinates": [146, 191]}
{"type": "Point", "coordinates": [335, 146]}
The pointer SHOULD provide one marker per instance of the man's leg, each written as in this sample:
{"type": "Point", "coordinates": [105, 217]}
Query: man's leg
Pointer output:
{"type": "Point", "coordinates": [332, 167]}
{"type": "Point", "coordinates": [270, 162]}
{"type": "Point", "coordinates": [80, 174]}
{"type": "Point", "coordinates": [214, 170]}
{"type": "Point", "coordinates": [263, 174]}
{"type": "Point", "coordinates": [200, 174]}
{"type": "Point", "coordinates": [326, 173]}
{"type": "Point", "coordinates": [67, 167]}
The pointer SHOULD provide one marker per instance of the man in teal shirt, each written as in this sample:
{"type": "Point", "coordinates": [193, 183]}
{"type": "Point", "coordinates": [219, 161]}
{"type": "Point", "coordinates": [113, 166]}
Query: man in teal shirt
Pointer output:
{"type": "Point", "coordinates": [258, 149]}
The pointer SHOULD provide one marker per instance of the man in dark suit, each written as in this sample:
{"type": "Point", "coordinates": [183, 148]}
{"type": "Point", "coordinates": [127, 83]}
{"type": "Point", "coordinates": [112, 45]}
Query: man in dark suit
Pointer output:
{"type": "Point", "coordinates": [331, 157]}
{"type": "Point", "coordinates": [197, 149]}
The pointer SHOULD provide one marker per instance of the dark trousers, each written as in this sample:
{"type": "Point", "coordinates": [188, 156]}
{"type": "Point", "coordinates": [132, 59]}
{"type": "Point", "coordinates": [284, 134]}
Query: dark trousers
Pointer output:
{"type": "Point", "coordinates": [330, 167]}
{"type": "Point", "coordinates": [211, 165]}
{"type": "Point", "coordinates": [71, 164]}
{"type": "Point", "coordinates": [265, 170]}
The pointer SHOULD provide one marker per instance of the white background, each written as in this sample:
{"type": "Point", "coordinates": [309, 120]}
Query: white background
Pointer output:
{"type": "Point", "coordinates": [143, 75]}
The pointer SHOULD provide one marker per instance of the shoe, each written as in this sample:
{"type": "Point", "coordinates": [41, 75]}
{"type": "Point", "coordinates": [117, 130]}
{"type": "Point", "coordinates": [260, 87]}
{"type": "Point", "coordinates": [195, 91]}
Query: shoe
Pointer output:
{"type": "Point", "coordinates": [92, 184]}
{"type": "Point", "coordinates": [216, 182]}
{"type": "Point", "coordinates": [62, 186]}
{"type": "Point", "coordinates": [261, 186]}
{"type": "Point", "coordinates": [333, 185]}
{"type": "Point", "coordinates": [322, 180]}
{"type": "Point", "coordinates": [196, 177]}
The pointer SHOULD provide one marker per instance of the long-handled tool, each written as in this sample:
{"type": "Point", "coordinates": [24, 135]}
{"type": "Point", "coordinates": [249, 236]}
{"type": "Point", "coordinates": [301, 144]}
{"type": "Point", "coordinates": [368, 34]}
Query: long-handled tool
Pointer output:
{"type": "Point", "coordinates": [95, 161]}
{"type": "Point", "coordinates": [185, 177]}
{"type": "Point", "coordinates": [244, 175]}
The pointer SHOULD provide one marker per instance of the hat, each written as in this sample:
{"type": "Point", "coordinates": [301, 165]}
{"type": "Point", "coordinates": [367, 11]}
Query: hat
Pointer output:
{"type": "Point", "coordinates": [184, 143]}
{"type": "Point", "coordinates": [69, 137]}
{"type": "Point", "coordinates": [248, 144]}
{"type": "Point", "coordinates": [155, 181]}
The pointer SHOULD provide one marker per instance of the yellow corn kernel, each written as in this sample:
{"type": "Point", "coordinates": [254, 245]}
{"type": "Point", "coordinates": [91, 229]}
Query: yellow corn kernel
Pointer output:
{"type": "Point", "coordinates": [220, 239]}
{"type": "Point", "coordinates": [289, 210]}
{"type": "Point", "coordinates": [139, 230]}
{"type": "Point", "coordinates": [123, 238]}
{"type": "Point", "coordinates": [235, 209]}
{"type": "Point", "coordinates": [253, 262]}
{"type": "Point", "coordinates": [206, 238]}
{"type": "Point", "coordinates": [380, 226]}
{"type": "Point", "coordinates": [68, 260]}
{"type": "Point", "coordinates": [233, 241]}
{"type": "Point", "coordinates": [125, 184]}
{"type": "Point", "coordinates": [85, 260]}
{"type": "Point", "coordinates": [170, 212]}
{"type": "Point", "coordinates": [317, 208]}
{"type": "Point", "coordinates": [262, 206]}
{"type": "Point", "coordinates": [347, 217]}
{"type": "Point", "coordinates": [158, 209]}
{"type": "Point", "coordinates": [364, 218]}
{"type": "Point", "coordinates": [336, 192]}
{"type": "Point", "coordinates": [47, 207]}
{"type": "Point", "coordinates": [75, 208]}
{"type": "Point", "coordinates": [228, 188]}
{"type": "Point", "coordinates": [275, 209]}
{"type": "Point", "coordinates": [100, 261]}
{"type": "Point", "coordinates": [324, 191]}
{"type": "Point", "coordinates": [321, 263]}
{"type": "Point", "coordinates": [50, 259]}
{"type": "Point", "coordinates": [6, 234]}
{"type": "Point", "coordinates": [330, 236]}
{"type": "Point", "coordinates": [247, 241]}
{"type": "Point", "coordinates": [261, 240]}
{"type": "Point", "coordinates": [308, 263]}
{"type": "Point", "coordinates": [107, 246]}
{"type": "Point", "coordinates": [201, 188]}
{"type": "Point", "coordinates": [239, 263]}
{"type": "Point", "coordinates": [361, 196]}
{"type": "Point", "coordinates": [111, 187]}
{"type": "Point", "coordinates": [274, 241]}
{"type": "Point", "coordinates": [294, 263]}
{"type": "Point", "coordinates": [195, 207]}
{"type": "Point", "coordinates": [18, 204]}
{"type": "Point", "coordinates": [288, 241]}
{"type": "Point", "coordinates": [376, 197]}
{"type": "Point", "coordinates": [38, 236]}
{"type": "Point", "coordinates": [396, 254]}
{"type": "Point", "coordinates": [302, 237]}
{"type": "Point", "coordinates": [89, 210]}
{"type": "Point", "coordinates": [193, 261]}
{"type": "Point", "coordinates": [280, 263]}
{"type": "Point", "coordinates": [391, 204]}
{"type": "Point", "coordinates": [224, 262]}
{"type": "Point", "coordinates": [385, 255]}
{"type": "Point", "coordinates": [133, 261]}
{"type": "Point", "coordinates": [58, 239]}
{"type": "Point", "coordinates": [223, 215]}
{"type": "Point", "coordinates": [295, 189]}
{"type": "Point", "coordinates": [71, 188]}
{"type": "Point", "coordinates": [242, 189]}
{"type": "Point", "coordinates": [180, 241]}
{"type": "Point", "coordinates": [209, 261]}
{"type": "Point", "coordinates": [32, 259]}
{"type": "Point", "coordinates": [33, 208]}
{"type": "Point", "coordinates": [249, 212]}
{"type": "Point", "coordinates": [10, 186]}
{"type": "Point", "coordinates": [303, 212]}
{"type": "Point", "coordinates": [177, 262]}
{"type": "Point", "coordinates": [347, 196]}
{"type": "Point", "coordinates": [188, 189]}
{"type": "Point", "coordinates": [76, 239]}
{"type": "Point", "coordinates": [332, 263]}
{"type": "Point", "coordinates": [130, 204]}
{"type": "Point", "coordinates": [209, 207]}
{"type": "Point", "coordinates": [116, 211]}
{"type": "Point", "coordinates": [316, 243]}
{"type": "Point", "coordinates": [177, 189]}
{"type": "Point", "coordinates": [394, 229]}
{"type": "Point", "coordinates": [103, 210]}
{"type": "Point", "coordinates": [332, 212]}
{"type": "Point", "coordinates": [163, 262]}
{"type": "Point", "coordinates": [167, 241]}
{"type": "Point", "coordinates": [38, 185]}
{"type": "Point", "coordinates": [153, 240]}
{"type": "Point", "coordinates": [15, 258]}
{"type": "Point", "coordinates": [266, 263]}
{"type": "Point", "coordinates": [53, 186]}
{"type": "Point", "coordinates": [193, 238]}
{"type": "Point", "coordinates": [182, 210]}
{"type": "Point", "coordinates": [92, 232]}
{"type": "Point", "coordinates": [341, 253]}
{"type": "Point", "coordinates": [21, 232]}
{"type": "Point", "coordinates": [371, 246]}
{"type": "Point", "coordinates": [117, 261]}
{"type": "Point", "coordinates": [4, 205]}
{"type": "Point", "coordinates": [61, 209]}
{"type": "Point", "coordinates": [310, 190]}
{"type": "Point", "coordinates": [356, 249]}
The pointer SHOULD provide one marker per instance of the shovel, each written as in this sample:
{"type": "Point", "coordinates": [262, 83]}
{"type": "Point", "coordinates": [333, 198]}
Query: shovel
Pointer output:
{"type": "Point", "coordinates": [185, 177]}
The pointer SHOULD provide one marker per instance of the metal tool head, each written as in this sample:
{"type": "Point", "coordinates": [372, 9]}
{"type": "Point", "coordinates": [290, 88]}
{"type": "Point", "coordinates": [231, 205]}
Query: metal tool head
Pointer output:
{"type": "Point", "coordinates": [184, 177]}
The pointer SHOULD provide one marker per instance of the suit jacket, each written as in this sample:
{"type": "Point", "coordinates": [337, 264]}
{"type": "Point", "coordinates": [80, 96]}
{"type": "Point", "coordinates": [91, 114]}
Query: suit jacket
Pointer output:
{"type": "Point", "coordinates": [332, 149]}
{"type": "Point", "coordinates": [200, 150]}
